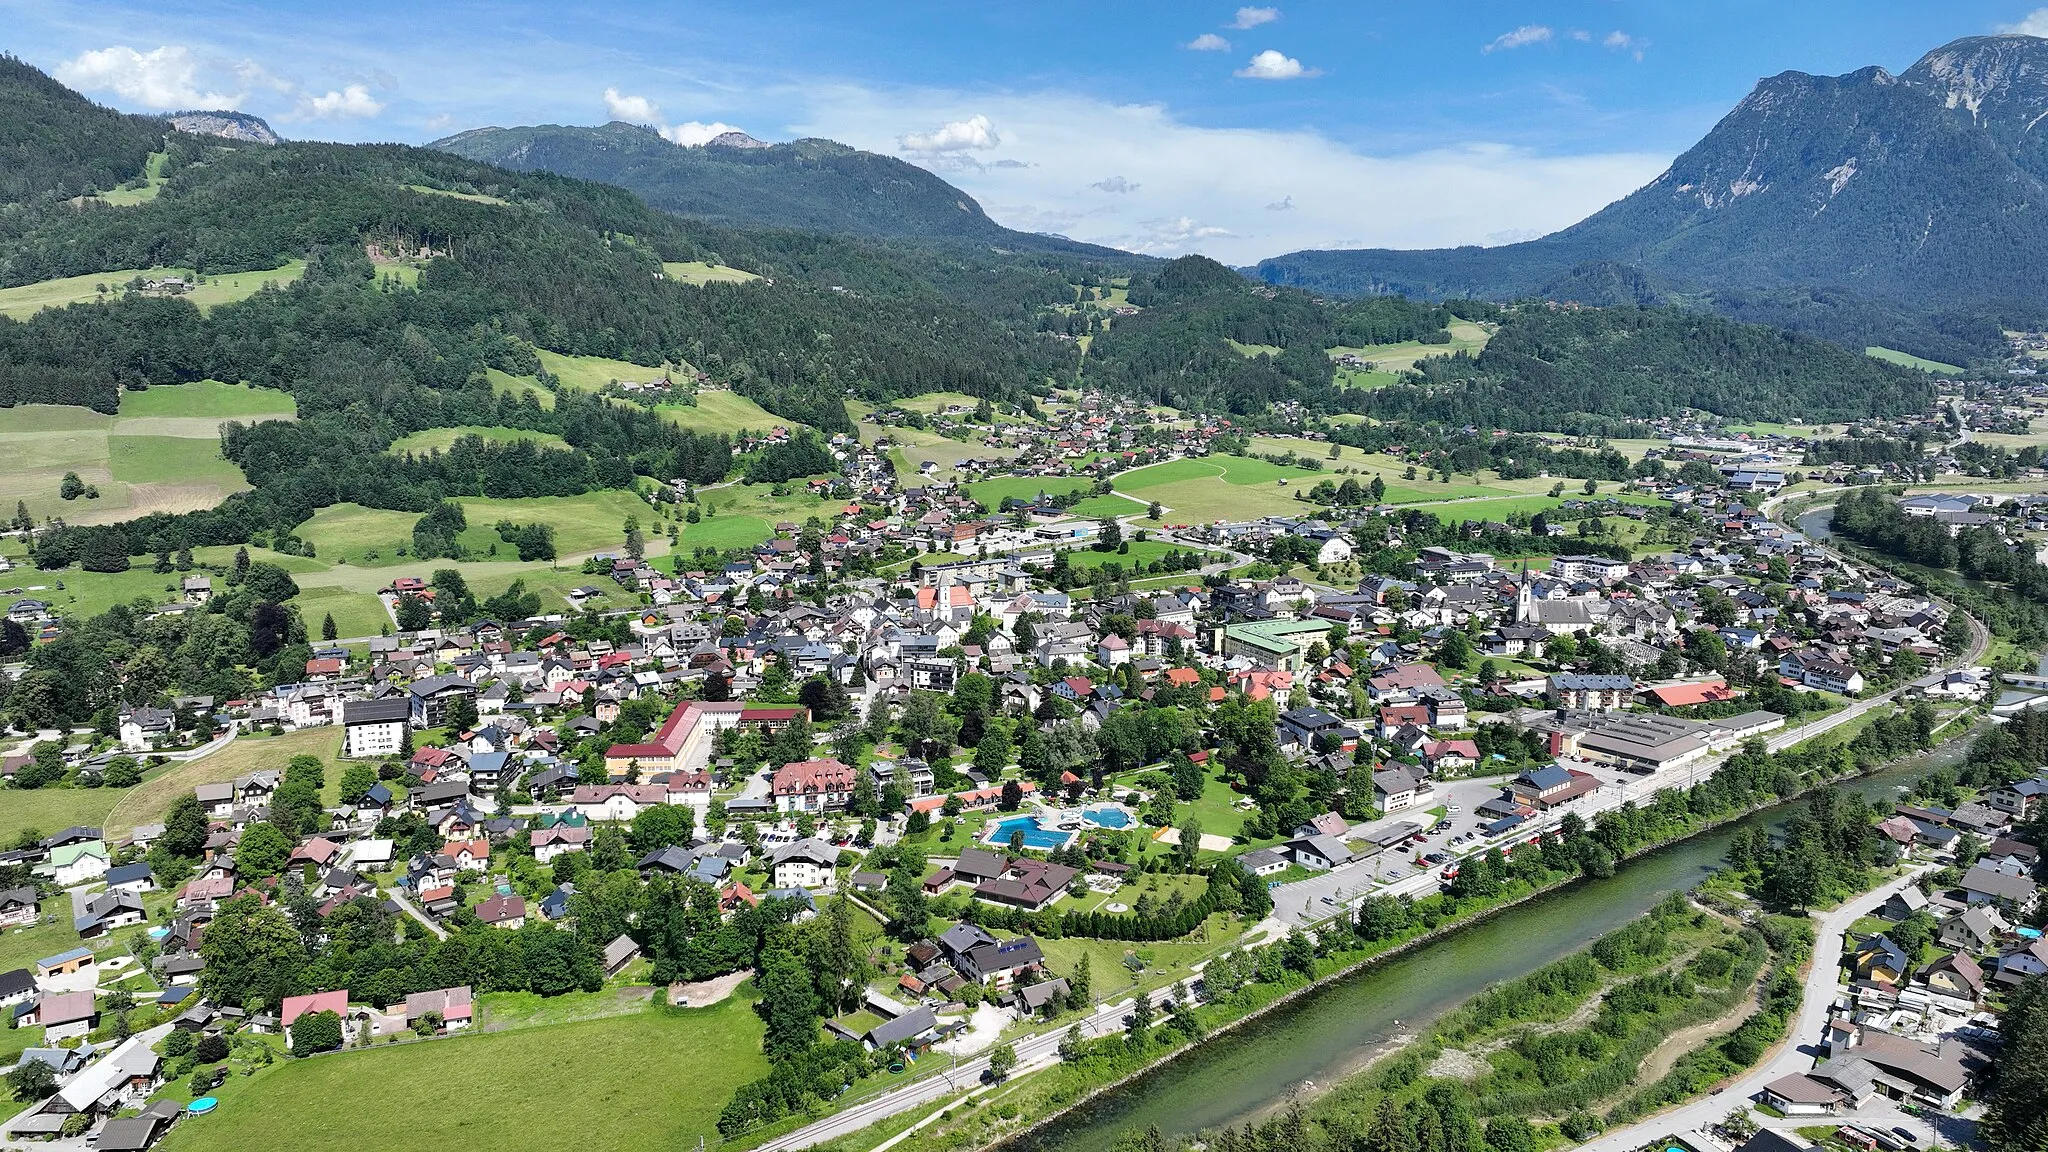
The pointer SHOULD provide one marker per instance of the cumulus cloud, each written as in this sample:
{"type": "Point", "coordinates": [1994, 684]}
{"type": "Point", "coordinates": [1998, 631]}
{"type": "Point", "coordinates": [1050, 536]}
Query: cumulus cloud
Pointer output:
{"type": "Point", "coordinates": [1220, 180]}
{"type": "Point", "coordinates": [1284, 204]}
{"type": "Point", "coordinates": [641, 110]}
{"type": "Point", "coordinates": [1521, 37]}
{"type": "Point", "coordinates": [1115, 184]}
{"type": "Point", "coordinates": [1271, 65]}
{"type": "Point", "coordinates": [692, 133]}
{"type": "Point", "coordinates": [976, 133]}
{"type": "Point", "coordinates": [1208, 42]}
{"type": "Point", "coordinates": [166, 77]}
{"type": "Point", "coordinates": [1253, 17]}
{"type": "Point", "coordinates": [631, 109]}
{"type": "Point", "coordinates": [351, 103]}
{"type": "Point", "coordinates": [2034, 23]}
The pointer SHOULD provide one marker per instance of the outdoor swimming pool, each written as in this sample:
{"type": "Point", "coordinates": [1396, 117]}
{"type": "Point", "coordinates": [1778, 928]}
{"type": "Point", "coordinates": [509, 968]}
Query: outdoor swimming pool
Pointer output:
{"type": "Point", "coordinates": [1035, 835]}
{"type": "Point", "coordinates": [1108, 816]}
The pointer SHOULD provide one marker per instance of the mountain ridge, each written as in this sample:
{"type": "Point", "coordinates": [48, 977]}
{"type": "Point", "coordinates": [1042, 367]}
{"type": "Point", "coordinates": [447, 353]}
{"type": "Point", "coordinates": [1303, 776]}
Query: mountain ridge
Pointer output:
{"type": "Point", "coordinates": [1907, 210]}
{"type": "Point", "coordinates": [810, 184]}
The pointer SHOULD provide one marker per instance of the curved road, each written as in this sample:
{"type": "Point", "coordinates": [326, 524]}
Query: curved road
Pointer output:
{"type": "Point", "coordinates": [1796, 1053]}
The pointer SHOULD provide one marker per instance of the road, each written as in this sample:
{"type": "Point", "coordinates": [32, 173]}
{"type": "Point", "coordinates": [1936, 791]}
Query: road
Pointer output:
{"type": "Point", "coordinates": [406, 906]}
{"type": "Point", "coordinates": [1036, 1050]}
{"type": "Point", "coordinates": [1797, 1053]}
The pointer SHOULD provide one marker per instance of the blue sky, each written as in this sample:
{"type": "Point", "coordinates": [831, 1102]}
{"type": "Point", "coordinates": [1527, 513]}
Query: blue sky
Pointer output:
{"type": "Point", "coordinates": [1161, 127]}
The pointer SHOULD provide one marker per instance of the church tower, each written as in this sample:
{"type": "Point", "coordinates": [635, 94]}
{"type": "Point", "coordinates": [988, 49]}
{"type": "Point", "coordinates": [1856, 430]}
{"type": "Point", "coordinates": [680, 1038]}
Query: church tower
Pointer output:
{"type": "Point", "coordinates": [1525, 598]}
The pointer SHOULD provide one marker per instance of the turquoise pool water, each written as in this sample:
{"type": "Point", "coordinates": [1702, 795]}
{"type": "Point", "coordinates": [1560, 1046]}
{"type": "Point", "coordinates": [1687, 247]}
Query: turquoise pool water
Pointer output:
{"type": "Point", "coordinates": [1108, 817]}
{"type": "Point", "coordinates": [1034, 835]}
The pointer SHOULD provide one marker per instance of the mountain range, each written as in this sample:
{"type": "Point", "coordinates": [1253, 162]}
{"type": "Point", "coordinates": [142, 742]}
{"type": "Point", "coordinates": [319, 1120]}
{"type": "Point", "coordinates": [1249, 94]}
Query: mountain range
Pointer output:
{"type": "Point", "coordinates": [736, 181]}
{"type": "Point", "coordinates": [1909, 211]}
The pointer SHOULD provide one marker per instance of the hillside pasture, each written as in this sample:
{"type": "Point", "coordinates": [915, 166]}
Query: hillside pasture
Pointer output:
{"type": "Point", "coordinates": [160, 454]}
{"type": "Point", "coordinates": [505, 384]}
{"type": "Point", "coordinates": [1907, 359]}
{"type": "Point", "coordinates": [1218, 488]}
{"type": "Point", "coordinates": [1389, 360]}
{"type": "Point", "coordinates": [727, 412]}
{"type": "Point", "coordinates": [594, 373]}
{"type": "Point", "coordinates": [372, 537]}
{"type": "Point", "coordinates": [992, 493]}
{"type": "Point", "coordinates": [221, 288]}
{"type": "Point", "coordinates": [699, 273]}
{"type": "Point", "coordinates": [140, 191]}
{"type": "Point", "coordinates": [441, 439]}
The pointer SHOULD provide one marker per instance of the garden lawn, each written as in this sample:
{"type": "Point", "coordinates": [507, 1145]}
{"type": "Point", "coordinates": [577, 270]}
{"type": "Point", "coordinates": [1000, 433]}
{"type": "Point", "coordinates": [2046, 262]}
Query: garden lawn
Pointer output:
{"type": "Point", "coordinates": [653, 1081]}
{"type": "Point", "coordinates": [441, 439]}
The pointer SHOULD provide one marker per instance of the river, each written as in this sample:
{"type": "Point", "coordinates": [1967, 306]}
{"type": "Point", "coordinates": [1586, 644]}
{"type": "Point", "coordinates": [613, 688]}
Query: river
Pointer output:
{"type": "Point", "coordinates": [1321, 1037]}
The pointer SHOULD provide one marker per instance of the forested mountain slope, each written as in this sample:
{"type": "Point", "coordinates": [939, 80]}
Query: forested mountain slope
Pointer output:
{"type": "Point", "coordinates": [54, 142]}
{"type": "Point", "coordinates": [1901, 210]}
{"type": "Point", "coordinates": [815, 185]}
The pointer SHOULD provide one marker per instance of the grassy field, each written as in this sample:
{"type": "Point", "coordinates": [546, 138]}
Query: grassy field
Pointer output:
{"type": "Point", "coordinates": [1894, 356]}
{"type": "Point", "coordinates": [1388, 360]}
{"type": "Point", "coordinates": [1141, 552]}
{"type": "Point", "coordinates": [699, 273]}
{"type": "Point", "coordinates": [119, 809]}
{"type": "Point", "coordinates": [142, 191]}
{"type": "Point", "coordinates": [224, 288]}
{"type": "Point", "coordinates": [992, 493]}
{"type": "Point", "coordinates": [1217, 488]}
{"type": "Point", "coordinates": [651, 1080]}
{"type": "Point", "coordinates": [593, 373]}
{"type": "Point", "coordinates": [355, 613]}
{"type": "Point", "coordinates": [1249, 351]}
{"type": "Point", "coordinates": [582, 524]}
{"type": "Point", "coordinates": [440, 439]}
{"type": "Point", "coordinates": [505, 384]}
{"type": "Point", "coordinates": [1500, 508]}
{"type": "Point", "coordinates": [727, 412]}
{"type": "Point", "coordinates": [472, 197]}
{"type": "Point", "coordinates": [160, 454]}
{"type": "Point", "coordinates": [1100, 506]}
{"type": "Point", "coordinates": [727, 531]}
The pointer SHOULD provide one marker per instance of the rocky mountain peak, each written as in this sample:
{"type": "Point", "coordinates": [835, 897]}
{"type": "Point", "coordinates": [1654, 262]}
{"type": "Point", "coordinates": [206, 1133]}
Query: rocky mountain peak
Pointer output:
{"type": "Point", "coordinates": [224, 124]}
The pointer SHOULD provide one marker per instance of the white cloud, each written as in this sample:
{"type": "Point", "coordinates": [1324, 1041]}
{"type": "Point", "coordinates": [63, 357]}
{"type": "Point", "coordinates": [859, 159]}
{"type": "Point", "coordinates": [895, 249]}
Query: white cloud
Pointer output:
{"type": "Point", "coordinates": [631, 109]}
{"type": "Point", "coordinates": [2034, 23]}
{"type": "Point", "coordinates": [1271, 65]}
{"type": "Point", "coordinates": [1620, 41]}
{"type": "Point", "coordinates": [1208, 42]}
{"type": "Point", "coordinates": [1521, 37]}
{"type": "Point", "coordinates": [1581, 35]}
{"type": "Point", "coordinates": [161, 78]}
{"type": "Point", "coordinates": [1115, 184]}
{"type": "Point", "coordinates": [641, 110]}
{"type": "Point", "coordinates": [351, 103]}
{"type": "Point", "coordinates": [692, 133]}
{"type": "Point", "coordinates": [975, 132]}
{"type": "Point", "coordinates": [1220, 180]}
{"type": "Point", "coordinates": [1253, 17]}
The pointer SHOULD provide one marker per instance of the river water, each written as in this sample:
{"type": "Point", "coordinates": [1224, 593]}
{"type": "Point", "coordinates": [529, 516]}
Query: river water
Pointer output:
{"type": "Point", "coordinates": [1321, 1037]}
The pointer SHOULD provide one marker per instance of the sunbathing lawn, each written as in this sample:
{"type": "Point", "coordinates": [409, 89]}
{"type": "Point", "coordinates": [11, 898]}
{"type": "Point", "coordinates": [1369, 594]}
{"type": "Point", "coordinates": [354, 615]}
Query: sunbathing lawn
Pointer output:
{"type": "Point", "coordinates": [654, 1080]}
